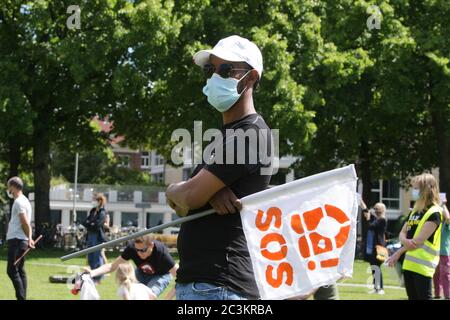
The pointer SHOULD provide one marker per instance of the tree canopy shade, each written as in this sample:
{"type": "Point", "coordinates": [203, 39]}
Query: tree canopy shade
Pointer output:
{"type": "Point", "coordinates": [384, 93]}
{"type": "Point", "coordinates": [338, 92]}
{"type": "Point", "coordinates": [54, 79]}
{"type": "Point", "coordinates": [130, 61]}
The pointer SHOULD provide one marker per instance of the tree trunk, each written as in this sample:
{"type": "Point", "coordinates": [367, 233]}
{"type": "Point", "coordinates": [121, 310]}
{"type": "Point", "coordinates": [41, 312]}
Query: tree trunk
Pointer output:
{"type": "Point", "coordinates": [442, 134]}
{"type": "Point", "coordinates": [440, 119]}
{"type": "Point", "coordinates": [13, 156]}
{"type": "Point", "coordinates": [14, 161]}
{"type": "Point", "coordinates": [41, 171]}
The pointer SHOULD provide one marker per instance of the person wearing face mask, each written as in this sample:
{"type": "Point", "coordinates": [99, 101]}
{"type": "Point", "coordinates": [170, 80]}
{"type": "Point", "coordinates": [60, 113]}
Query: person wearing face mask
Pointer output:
{"type": "Point", "coordinates": [19, 236]}
{"type": "Point", "coordinates": [420, 237]}
{"type": "Point", "coordinates": [214, 260]}
{"type": "Point", "coordinates": [94, 224]}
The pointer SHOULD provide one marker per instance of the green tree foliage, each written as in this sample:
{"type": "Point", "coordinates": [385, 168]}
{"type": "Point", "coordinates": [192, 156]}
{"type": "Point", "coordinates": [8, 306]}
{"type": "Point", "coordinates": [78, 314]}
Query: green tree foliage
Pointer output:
{"type": "Point", "coordinates": [54, 79]}
{"type": "Point", "coordinates": [384, 93]}
{"type": "Point", "coordinates": [338, 92]}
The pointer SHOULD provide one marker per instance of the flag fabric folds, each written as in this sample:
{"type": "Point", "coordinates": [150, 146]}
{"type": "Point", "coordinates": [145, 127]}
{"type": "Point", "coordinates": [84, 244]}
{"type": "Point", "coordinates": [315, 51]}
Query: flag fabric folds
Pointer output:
{"type": "Point", "coordinates": [302, 235]}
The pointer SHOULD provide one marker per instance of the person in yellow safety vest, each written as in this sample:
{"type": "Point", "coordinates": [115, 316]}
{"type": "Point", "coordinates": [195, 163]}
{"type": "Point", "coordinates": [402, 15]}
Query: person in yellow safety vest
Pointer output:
{"type": "Point", "coordinates": [420, 237]}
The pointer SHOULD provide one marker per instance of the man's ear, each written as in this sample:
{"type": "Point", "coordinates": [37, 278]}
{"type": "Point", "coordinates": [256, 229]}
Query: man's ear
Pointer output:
{"type": "Point", "coordinates": [250, 80]}
{"type": "Point", "coordinates": [252, 77]}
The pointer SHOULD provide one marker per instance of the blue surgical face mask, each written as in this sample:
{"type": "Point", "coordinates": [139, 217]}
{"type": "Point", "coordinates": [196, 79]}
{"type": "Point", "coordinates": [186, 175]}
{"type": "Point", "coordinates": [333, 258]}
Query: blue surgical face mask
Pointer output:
{"type": "Point", "coordinates": [415, 194]}
{"type": "Point", "coordinates": [222, 93]}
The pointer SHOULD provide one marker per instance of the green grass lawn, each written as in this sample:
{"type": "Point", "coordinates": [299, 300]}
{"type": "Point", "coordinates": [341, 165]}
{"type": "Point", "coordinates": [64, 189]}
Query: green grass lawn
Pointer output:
{"type": "Point", "coordinates": [41, 264]}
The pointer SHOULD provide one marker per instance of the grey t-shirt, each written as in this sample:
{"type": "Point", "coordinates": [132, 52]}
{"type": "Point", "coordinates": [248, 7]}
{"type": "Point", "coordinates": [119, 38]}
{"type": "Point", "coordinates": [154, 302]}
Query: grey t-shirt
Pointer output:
{"type": "Point", "coordinates": [15, 231]}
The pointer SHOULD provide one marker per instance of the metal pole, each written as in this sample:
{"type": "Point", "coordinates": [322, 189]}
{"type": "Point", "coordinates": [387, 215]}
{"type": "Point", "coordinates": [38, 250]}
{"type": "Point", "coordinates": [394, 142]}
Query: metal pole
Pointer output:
{"type": "Point", "coordinates": [75, 187]}
{"type": "Point", "coordinates": [138, 234]}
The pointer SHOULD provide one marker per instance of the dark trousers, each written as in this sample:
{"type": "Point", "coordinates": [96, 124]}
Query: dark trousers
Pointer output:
{"type": "Point", "coordinates": [16, 248]}
{"type": "Point", "coordinates": [418, 287]}
{"type": "Point", "coordinates": [329, 292]}
{"type": "Point", "coordinates": [95, 259]}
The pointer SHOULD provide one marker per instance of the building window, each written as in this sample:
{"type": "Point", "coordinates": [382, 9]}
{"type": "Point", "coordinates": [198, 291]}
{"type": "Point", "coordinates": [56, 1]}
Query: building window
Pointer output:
{"type": "Point", "coordinates": [123, 161]}
{"type": "Point", "coordinates": [387, 192]}
{"type": "Point", "coordinates": [159, 160]}
{"type": "Point", "coordinates": [158, 178]}
{"type": "Point", "coordinates": [145, 160]}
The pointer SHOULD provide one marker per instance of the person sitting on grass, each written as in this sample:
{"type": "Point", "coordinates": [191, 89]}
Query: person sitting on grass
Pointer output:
{"type": "Point", "coordinates": [129, 287]}
{"type": "Point", "coordinates": [155, 266]}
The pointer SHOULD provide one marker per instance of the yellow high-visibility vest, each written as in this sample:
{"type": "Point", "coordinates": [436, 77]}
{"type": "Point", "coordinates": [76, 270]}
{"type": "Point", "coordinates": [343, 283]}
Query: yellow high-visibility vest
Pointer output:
{"type": "Point", "coordinates": [425, 259]}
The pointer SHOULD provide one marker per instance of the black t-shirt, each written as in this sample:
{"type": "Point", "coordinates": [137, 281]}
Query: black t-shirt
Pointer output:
{"type": "Point", "coordinates": [159, 262]}
{"type": "Point", "coordinates": [414, 219]}
{"type": "Point", "coordinates": [213, 249]}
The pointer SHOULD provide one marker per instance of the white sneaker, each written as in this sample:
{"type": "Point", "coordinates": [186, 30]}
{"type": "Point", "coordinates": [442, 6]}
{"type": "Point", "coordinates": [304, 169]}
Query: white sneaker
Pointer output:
{"type": "Point", "coordinates": [381, 291]}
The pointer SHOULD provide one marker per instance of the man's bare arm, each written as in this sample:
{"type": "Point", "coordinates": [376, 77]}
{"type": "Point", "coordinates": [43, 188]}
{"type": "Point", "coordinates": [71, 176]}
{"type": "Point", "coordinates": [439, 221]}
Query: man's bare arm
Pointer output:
{"type": "Point", "coordinates": [194, 193]}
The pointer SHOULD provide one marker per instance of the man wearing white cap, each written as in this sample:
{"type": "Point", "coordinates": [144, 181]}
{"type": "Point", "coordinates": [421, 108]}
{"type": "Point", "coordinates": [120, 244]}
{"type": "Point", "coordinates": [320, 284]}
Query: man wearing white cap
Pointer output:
{"type": "Point", "coordinates": [214, 260]}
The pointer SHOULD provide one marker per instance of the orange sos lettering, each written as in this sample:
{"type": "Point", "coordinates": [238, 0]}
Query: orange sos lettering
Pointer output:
{"type": "Point", "coordinates": [283, 268]}
{"type": "Point", "coordinates": [272, 213]}
{"type": "Point", "coordinates": [263, 222]}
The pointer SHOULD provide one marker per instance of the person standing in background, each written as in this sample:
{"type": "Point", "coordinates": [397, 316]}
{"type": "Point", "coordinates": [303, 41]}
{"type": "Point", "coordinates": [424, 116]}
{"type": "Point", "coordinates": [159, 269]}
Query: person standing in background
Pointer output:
{"type": "Point", "coordinates": [421, 238]}
{"type": "Point", "coordinates": [376, 230]}
{"type": "Point", "coordinates": [94, 224]}
{"type": "Point", "coordinates": [19, 236]}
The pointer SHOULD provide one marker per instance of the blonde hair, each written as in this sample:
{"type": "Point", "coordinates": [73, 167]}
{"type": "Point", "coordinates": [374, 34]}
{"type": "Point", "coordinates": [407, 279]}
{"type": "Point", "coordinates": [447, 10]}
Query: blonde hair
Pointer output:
{"type": "Point", "coordinates": [100, 197]}
{"type": "Point", "coordinates": [381, 206]}
{"type": "Point", "coordinates": [429, 191]}
{"type": "Point", "coordinates": [125, 275]}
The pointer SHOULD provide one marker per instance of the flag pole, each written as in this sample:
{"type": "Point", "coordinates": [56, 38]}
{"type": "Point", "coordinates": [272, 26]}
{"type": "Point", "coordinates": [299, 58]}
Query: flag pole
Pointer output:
{"type": "Point", "coordinates": [137, 234]}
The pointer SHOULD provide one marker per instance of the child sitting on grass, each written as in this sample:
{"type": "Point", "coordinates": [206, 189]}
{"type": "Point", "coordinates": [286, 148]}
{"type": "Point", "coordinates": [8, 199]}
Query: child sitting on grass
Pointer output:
{"type": "Point", "coordinates": [129, 287]}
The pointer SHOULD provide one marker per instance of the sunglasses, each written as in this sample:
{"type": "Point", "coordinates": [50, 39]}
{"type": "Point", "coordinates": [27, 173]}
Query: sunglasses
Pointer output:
{"type": "Point", "coordinates": [141, 250]}
{"type": "Point", "coordinates": [225, 70]}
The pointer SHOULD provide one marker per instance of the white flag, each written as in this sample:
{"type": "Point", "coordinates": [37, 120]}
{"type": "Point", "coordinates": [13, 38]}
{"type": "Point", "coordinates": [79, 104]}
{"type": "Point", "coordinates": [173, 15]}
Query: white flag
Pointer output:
{"type": "Point", "coordinates": [302, 235]}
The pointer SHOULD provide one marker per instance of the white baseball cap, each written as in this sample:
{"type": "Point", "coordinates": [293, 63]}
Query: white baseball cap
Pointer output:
{"type": "Point", "coordinates": [233, 48]}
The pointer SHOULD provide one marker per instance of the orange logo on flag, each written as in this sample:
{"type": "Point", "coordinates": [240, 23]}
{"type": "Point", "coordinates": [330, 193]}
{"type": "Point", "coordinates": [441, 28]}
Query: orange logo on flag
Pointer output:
{"type": "Point", "coordinates": [319, 243]}
{"type": "Point", "coordinates": [311, 243]}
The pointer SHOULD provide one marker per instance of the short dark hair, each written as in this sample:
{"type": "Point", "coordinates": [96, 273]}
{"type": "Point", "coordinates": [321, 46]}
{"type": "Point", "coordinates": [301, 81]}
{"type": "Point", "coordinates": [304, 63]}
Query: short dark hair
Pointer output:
{"type": "Point", "coordinates": [16, 182]}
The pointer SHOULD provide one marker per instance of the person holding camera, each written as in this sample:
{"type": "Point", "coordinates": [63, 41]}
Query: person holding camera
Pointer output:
{"type": "Point", "coordinates": [375, 242]}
